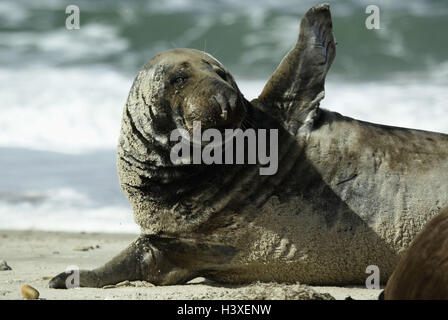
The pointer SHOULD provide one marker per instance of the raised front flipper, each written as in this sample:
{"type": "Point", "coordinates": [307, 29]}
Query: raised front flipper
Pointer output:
{"type": "Point", "coordinates": [293, 92]}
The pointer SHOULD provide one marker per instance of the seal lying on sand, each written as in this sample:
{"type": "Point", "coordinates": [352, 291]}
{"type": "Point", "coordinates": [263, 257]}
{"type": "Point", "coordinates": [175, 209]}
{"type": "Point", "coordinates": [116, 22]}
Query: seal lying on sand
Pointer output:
{"type": "Point", "coordinates": [423, 271]}
{"type": "Point", "coordinates": [347, 194]}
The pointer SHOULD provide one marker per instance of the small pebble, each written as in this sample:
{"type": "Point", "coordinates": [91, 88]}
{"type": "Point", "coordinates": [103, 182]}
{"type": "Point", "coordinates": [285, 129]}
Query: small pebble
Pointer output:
{"type": "Point", "coordinates": [4, 266]}
{"type": "Point", "coordinates": [29, 292]}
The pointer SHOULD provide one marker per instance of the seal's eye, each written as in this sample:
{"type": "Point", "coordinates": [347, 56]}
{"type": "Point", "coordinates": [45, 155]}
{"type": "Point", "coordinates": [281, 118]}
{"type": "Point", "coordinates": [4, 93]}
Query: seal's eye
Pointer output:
{"type": "Point", "coordinates": [179, 81]}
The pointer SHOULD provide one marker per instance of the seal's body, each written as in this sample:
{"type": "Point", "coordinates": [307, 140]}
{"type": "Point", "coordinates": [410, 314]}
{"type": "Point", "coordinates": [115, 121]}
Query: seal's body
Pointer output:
{"type": "Point", "coordinates": [335, 208]}
{"type": "Point", "coordinates": [347, 194]}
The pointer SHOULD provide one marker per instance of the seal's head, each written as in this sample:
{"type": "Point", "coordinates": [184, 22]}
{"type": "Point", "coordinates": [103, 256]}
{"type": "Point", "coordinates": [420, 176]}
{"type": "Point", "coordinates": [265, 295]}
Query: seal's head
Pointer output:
{"type": "Point", "coordinates": [181, 86]}
{"type": "Point", "coordinates": [172, 91]}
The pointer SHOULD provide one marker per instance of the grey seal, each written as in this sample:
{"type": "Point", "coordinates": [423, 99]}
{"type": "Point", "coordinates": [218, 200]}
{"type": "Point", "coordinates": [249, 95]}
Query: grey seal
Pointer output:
{"type": "Point", "coordinates": [347, 193]}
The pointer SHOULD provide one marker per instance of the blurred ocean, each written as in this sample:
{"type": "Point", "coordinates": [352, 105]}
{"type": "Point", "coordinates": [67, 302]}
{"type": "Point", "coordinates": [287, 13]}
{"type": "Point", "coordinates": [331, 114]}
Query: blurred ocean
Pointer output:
{"type": "Point", "coordinates": [62, 92]}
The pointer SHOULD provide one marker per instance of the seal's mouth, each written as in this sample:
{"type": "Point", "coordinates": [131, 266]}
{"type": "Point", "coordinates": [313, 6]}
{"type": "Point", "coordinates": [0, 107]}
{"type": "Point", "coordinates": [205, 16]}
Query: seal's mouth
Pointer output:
{"type": "Point", "coordinates": [223, 112]}
{"type": "Point", "coordinates": [222, 124]}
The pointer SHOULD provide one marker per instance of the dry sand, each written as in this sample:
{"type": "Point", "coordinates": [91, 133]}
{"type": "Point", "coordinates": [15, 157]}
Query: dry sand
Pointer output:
{"type": "Point", "coordinates": [34, 256]}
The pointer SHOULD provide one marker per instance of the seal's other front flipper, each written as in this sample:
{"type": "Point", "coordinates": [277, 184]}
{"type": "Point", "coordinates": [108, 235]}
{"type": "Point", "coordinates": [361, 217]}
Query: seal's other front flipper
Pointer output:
{"type": "Point", "coordinates": [293, 92]}
{"type": "Point", "coordinates": [159, 260]}
{"type": "Point", "coordinates": [133, 263]}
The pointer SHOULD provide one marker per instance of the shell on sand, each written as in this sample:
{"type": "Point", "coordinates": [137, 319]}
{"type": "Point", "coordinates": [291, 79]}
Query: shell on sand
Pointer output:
{"type": "Point", "coordinates": [29, 293]}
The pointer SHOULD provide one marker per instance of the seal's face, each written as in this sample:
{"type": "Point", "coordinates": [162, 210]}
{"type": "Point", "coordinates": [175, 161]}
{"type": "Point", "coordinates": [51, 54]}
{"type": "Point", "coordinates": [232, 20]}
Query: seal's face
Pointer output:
{"type": "Point", "coordinates": [190, 85]}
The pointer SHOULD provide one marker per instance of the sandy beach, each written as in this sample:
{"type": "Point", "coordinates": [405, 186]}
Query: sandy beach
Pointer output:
{"type": "Point", "coordinates": [35, 256]}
